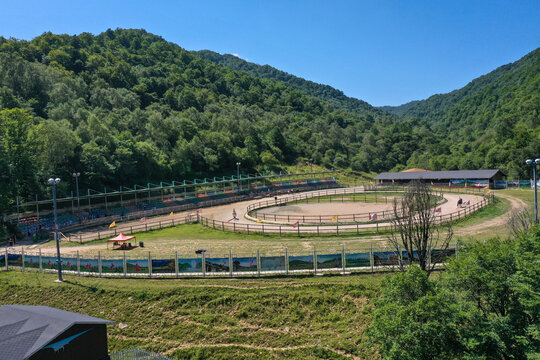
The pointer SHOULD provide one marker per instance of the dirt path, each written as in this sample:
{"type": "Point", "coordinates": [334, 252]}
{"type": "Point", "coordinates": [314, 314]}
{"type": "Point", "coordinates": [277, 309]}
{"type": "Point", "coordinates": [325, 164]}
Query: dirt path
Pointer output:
{"type": "Point", "coordinates": [516, 204]}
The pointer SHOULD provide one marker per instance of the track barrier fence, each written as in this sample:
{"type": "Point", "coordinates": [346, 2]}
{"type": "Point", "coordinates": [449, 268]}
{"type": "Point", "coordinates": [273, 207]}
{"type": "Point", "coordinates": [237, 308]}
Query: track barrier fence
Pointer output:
{"type": "Point", "coordinates": [225, 265]}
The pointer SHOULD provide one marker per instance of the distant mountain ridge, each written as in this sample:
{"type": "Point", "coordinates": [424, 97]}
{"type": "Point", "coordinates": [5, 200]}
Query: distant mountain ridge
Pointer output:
{"type": "Point", "coordinates": [400, 109]}
{"type": "Point", "coordinates": [325, 92]}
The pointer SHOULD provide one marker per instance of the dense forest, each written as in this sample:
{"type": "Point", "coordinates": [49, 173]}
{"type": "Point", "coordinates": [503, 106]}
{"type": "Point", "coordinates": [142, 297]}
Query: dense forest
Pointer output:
{"type": "Point", "coordinates": [127, 107]}
{"type": "Point", "coordinates": [493, 122]}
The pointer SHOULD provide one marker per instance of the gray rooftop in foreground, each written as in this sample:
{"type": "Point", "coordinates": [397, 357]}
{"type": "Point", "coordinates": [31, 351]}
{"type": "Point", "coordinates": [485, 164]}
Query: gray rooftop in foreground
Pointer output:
{"type": "Point", "coordinates": [440, 175]}
{"type": "Point", "coordinates": [24, 329]}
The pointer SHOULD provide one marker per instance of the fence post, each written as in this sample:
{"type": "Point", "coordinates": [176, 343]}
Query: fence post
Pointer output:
{"type": "Point", "coordinates": [149, 264]}
{"type": "Point", "coordinates": [99, 263]}
{"type": "Point", "coordinates": [176, 264]}
{"type": "Point", "coordinates": [40, 262]}
{"type": "Point", "coordinates": [286, 261]}
{"type": "Point", "coordinates": [22, 258]}
{"type": "Point", "coordinates": [6, 257]}
{"type": "Point", "coordinates": [371, 259]}
{"type": "Point", "coordinates": [78, 264]}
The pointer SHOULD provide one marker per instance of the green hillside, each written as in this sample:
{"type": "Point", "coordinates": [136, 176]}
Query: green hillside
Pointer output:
{"type": "Point", "coordinates": [494, 121]}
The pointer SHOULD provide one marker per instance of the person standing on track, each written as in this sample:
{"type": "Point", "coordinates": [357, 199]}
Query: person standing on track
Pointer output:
{"type": "Point", "coordinates": [459, 202]}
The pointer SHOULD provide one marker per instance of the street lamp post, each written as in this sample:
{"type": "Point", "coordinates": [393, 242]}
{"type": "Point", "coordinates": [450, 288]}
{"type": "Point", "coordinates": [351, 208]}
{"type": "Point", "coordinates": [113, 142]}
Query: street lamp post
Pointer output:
{"type": "Point", "coordinates": [534, 164]}
{"type": "Point", "coordinates": [76, 176]}
{"type": "Point", "coordinates": [238, 174]}
{"type": "Point", "coordinates": [53, 183]}
{"type": "Point", "coordinates": [311, 164]}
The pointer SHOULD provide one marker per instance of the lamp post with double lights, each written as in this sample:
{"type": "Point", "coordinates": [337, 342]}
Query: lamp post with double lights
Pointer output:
{"type": "Point", "coordinates": [76, 176]}
{"type": "Point", "coordinates": [534, 165]}
{"type": "Point", "coordinates": [53, 182]}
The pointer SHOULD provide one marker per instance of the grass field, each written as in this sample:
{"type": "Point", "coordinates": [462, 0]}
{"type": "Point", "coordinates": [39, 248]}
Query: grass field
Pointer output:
{"type": "Point", "coordinates": [279, 318]}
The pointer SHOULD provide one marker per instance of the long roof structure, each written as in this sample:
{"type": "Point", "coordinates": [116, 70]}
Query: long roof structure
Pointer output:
{"type": "Point", "coordinates": [440, 175]}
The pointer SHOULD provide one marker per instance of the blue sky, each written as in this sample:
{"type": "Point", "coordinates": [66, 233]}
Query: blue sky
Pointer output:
{"type": "Point", "coordinates": [383, 52]}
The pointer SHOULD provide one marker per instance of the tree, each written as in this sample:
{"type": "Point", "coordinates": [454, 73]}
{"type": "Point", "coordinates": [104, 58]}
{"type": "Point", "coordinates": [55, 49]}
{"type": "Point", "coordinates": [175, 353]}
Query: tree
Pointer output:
{"type": "Point", "coordinates": [415, 227]}
{"type": "Point", "coordinates": [414, 320]}
{"type": "Point", "coordinates": [484, 306]}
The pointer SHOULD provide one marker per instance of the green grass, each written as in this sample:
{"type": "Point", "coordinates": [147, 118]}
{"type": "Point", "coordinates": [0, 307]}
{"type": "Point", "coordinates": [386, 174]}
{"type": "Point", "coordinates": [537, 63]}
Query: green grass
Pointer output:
{"type": "Point", "coordinates": [187, 238]}
{"type": "Point", "coordinates": [319, 317]}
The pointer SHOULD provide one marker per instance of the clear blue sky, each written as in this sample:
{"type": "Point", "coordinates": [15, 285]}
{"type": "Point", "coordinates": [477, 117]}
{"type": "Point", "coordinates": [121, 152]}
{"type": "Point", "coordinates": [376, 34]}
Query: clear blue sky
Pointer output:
{"type": "Point", "coordinates": [383, 52]}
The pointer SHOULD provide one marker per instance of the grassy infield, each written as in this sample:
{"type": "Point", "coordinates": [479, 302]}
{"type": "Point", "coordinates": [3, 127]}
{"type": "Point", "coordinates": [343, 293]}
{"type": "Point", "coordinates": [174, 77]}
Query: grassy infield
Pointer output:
{"type": "Point", "coordinates": [300, 317]}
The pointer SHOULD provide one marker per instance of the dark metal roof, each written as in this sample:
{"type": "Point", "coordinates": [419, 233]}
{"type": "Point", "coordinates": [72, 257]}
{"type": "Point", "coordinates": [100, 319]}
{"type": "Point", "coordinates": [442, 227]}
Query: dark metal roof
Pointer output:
{"type": "Point", "coordinates": [25, 329]}
{"type": "Point", "coordinates": [440, 175]}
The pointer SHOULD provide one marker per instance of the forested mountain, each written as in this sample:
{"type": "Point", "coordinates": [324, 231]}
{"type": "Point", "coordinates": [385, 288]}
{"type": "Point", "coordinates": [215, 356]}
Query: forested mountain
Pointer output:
{"type": "Point", "coordinates": [127, 107]}
{"type": "Point", "coordinates": [324, 92]}
{"type": "Point", "coordinates": [494, 121]}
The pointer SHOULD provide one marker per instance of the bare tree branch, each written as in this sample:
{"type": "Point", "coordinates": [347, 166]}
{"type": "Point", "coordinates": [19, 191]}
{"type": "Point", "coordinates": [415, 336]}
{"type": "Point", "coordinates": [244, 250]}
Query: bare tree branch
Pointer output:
{"type": "Point", "coordinates": [416, 230]}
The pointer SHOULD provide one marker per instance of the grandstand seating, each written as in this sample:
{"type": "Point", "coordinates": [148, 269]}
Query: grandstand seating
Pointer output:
{"type": "Point", "coordinates": [32, 225]}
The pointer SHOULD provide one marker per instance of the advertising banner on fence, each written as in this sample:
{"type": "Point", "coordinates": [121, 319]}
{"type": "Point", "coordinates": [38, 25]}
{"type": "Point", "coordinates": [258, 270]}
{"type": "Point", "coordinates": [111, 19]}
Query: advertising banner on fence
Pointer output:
{"type": "Point", "coordinates": [112, 266]}
{"type": "Point", "coordinates": [301, 262]}
{"type": "Point", "coordinates": [273, 263]}
{"type": "Point", "coordinates": [357, 260]}
{"type": "Point", "coordinates": [48, 262]}
{"type": "Point", "coordinates": [31, 261]}
{"type": "Point", "coordinates": [89, 265]}
{"type": "Point", "coordinates": [217, 264]}
{"type": "Point", "coordinates": [190, 265]}
{"type": "Point", "coordinates": [2, 261]}
{"type": "Point", "coordinates": [163, 266]}
{"type": "Point", "coordinates": [134, 266]}
{"type": "Point", "coordinates": [382, 258]}
{"type": "Point", "coordinates": [14, 259]}
{"type": "Point", "coordinates": [245, 263]}
{"type": "Point", "coordinates": [330, 261]}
